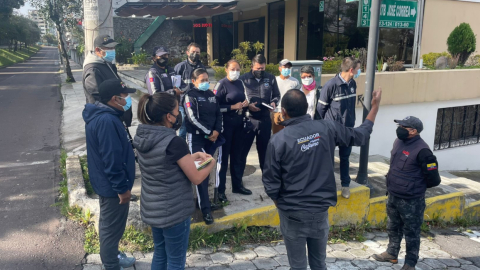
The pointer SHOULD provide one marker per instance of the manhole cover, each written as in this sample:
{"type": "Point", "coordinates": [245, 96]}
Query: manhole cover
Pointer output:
{"type": "Point", "coordinates": [249, 169]}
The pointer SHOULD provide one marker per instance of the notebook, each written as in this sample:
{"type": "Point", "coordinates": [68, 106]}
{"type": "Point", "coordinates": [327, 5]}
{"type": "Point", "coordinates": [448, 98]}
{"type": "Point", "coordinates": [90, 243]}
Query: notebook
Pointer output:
{"type": "Point", "coordinates": [201, 165]}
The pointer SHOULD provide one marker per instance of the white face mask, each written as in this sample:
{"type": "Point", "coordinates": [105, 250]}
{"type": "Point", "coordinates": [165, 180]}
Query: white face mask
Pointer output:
{"type": "Point", "coordinates": [233, 75]}
{"type": "Point", "coordinates": [307, 81]}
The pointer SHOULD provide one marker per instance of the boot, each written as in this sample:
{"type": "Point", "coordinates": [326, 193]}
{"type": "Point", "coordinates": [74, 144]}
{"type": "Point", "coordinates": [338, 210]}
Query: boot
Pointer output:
{"type": "Point", "coordinates": [385, 257]}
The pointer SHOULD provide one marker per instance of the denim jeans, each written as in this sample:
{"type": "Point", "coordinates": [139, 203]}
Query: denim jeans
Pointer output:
{"type": "Point", "coordinates": [301, 229]}
{"type": "Point", "coordinates": [182, 132]}
{"type": "Point", "coordinates": [344, 153]}
{"type": "Point", "coordinates": [171, 246]}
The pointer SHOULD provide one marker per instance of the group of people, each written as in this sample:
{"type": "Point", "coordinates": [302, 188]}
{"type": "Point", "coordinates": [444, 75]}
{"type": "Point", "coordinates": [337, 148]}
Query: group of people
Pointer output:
{"type": "Point", "coordinates": [307, 122]}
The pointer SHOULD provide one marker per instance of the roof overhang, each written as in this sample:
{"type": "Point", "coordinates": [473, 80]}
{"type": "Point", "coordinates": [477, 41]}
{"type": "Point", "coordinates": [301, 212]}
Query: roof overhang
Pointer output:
{"type": "Point", "coordinates": [175, 9]}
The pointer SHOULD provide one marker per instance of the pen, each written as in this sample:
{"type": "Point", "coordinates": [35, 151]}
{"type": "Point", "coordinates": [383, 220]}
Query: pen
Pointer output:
{"type": "Point", "coordinates": [204, 151]}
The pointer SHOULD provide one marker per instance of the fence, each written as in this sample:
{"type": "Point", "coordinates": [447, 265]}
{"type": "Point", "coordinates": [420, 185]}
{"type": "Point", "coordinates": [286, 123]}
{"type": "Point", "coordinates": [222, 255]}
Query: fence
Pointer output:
{"type": "Point", "coordinates": [74, 56]}
{"type": "Point", "coordinates": [457, 126]}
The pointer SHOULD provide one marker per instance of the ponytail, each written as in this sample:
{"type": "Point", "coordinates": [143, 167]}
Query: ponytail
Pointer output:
{"type": "Point", "coordinates": [152, 109]}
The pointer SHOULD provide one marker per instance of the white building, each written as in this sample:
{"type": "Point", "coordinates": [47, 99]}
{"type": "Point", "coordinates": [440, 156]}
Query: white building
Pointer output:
{"type": "Point", "coordinates": [35, 16]}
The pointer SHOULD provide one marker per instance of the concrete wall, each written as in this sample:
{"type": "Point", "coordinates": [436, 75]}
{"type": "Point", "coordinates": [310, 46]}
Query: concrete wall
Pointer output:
{"type": "Point", "coordinates": [441, 17]}
{"type": "Point", "coordinates": [291, 22]}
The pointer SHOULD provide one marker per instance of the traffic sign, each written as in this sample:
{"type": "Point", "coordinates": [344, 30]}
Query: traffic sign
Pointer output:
{"type": "Point", "coordinates": [393, 13]}
{"type": "Point", "coordinates": [321, 6]}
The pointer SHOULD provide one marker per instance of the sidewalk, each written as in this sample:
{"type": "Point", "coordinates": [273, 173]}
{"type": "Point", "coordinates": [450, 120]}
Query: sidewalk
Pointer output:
{"type": "Point", "coordinates": [346, 256]}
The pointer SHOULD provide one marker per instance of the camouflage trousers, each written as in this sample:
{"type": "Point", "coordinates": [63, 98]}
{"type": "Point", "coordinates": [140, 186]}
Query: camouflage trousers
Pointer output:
{"type": "Point", "coordinates": [405, 216]}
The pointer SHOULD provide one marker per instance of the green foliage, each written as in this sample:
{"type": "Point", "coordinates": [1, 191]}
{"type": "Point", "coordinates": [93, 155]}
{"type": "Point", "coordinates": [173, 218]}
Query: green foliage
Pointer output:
{"type": "Point", "coordinates": [258, 47]}
{"type": "Point", "coordinates": [429, 59]}
{"type": "Point", "coordinates": [462, 42]}
{"type": "Point", "coordinates": [134, 240]}
{"type": "Point", "coordinates": [124, 50]}
{"type": "Point", "coordinates": [348, 233]}
{"type": "Point", "coordinates": [86, 177]}
{"type": "Point", "coordinates": [141, 59]}
{"type": "Point", "coordinates": [80, 50]}
{"type": "Point", "coordinates": [9, 57]}
{"type": "Point", "coordinates": [203, 58]}
{"type": "Point", "coordinates": [425, 227]}
{"type": "Point", "coordinates": [272, 69]}
{"type": "Point", "coordinates": [49, 39]}
{"type": "Point", "coordinates": [92, 241]}
{"type": "Point", "coordinates": [331, 67]}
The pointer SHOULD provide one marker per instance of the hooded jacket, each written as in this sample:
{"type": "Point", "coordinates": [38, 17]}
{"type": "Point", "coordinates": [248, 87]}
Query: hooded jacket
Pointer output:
{"type": "Point", "coordinates": [111, 161]}
{"type": "Point", "coordinates": [299, 163]}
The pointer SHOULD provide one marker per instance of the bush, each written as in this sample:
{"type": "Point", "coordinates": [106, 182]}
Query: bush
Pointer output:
{"type": "Point", "coordinates": [124, 50]}
{"type": "Point", "coordinates": [272, 69]}
{"type": "Point", "coordinates": [429, 59]}
{"type": "Point", "coordinates": [461, 42]}
{"type": "Point", "coordinates": [331, 67]}
{"type": "Point", "coordinates": [141, 59]}
{"type": "Point", "coordinates": [473, 60]}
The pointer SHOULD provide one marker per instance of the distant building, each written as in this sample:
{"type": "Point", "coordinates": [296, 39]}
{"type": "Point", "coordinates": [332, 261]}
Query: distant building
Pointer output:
{"type": "Point", "coordinates": [35, 16]}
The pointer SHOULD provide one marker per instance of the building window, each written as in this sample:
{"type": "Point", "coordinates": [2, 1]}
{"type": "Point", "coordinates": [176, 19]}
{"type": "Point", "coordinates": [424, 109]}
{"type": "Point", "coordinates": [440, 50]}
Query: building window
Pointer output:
{"type": "Point", "coordinates": [310, 30]}
{"type": "Point", "coordinates": [276, 34]}
{"type": "Point", "coordinates": [457, 126]}
{"type": "Point", "coordinates": [200, 33]}
{"type": "Point", "coordinates": [223, 37]}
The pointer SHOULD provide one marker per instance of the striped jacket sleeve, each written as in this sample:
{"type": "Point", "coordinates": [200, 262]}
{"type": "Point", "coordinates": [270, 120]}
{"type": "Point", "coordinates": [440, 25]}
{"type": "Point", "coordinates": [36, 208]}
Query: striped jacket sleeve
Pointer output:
{"type": "Point", "coordinates": [153, 83]}
{"type": "Point", "coordinates": [191, 109]}
{"type": "Point", "coordinates": [325, 99]}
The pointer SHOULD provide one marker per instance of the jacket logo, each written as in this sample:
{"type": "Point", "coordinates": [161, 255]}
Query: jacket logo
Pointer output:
{"type": "Point", "coordinates": [212, 99]}
{"type": "Point", "coordinates": [309, 141]}
{"type": "Point", "coordinates": [406, 153]}
{"type": "Point", "coordinates": [267, 84]}
{"type": "Point", "coordinates": [164, 75]}
{"type": "Point", "coordinates": [189, 105]}
{"type": "Point", "coordinates": [351, 89]}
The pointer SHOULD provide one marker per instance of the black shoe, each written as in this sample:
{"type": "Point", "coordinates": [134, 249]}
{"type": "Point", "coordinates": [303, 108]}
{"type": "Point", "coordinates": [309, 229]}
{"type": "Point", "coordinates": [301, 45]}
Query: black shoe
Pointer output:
{"type": "Point", "coordinates": [222, 198]}
{"type": "Point", "coordinates": [215, 207]}
{"type": "Point", "coordinates": [208, 218]}
{"type": "Point", "coordinates": [242, 190]}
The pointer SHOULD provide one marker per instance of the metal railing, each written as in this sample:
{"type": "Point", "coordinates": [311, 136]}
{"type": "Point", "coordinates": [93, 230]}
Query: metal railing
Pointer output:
{"type": "Point", "coordinates": [457, 126]}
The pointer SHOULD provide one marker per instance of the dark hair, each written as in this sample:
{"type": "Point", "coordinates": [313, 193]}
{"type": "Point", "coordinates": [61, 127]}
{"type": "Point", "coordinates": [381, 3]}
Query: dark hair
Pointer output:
{"type": "Point", "coordinates": [348, 63]}
{"type": "Point", "coordinates": [308, 69]}
{"type": "Point", "coordinates": [295, 103]}
{"type": "Point", "coordinates": [193, 44]}
{"type": "Point", "coordinates": [153, 108]}
{"type": "Point", "coordinates": [260, 59]}
{"type": "Point", "coordinates": [231, 62]}
{"type": "Point", "coordinates": [197, 72]}
{"type": "Point", "coordinates": [105, 101]}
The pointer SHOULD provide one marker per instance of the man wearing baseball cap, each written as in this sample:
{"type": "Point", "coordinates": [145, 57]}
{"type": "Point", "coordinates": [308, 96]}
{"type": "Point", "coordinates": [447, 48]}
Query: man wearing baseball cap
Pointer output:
{"type": "Point", "coordinates": [285, 82]}
{"type": "Point", "coordinates": [111, 167]}
{"type": "Point", "coordinates": [413, 169]}
{"type": "Point", "coordinates": [159, 76]}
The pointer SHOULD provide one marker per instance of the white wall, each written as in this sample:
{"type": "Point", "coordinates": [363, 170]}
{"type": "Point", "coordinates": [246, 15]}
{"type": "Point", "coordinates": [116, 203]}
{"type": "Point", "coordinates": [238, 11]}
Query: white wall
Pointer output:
{"type": "Point", "coordinates": [458, 158]}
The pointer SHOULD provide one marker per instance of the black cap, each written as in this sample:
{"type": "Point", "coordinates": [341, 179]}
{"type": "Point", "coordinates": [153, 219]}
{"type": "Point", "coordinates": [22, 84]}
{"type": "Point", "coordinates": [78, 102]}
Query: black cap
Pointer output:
{"type": "Point", "coordinates": [159, 51]}
{"type": "Point", "coordinates": [113, 87]}
{"type": "Point", "coordinates": [104, 41]}
{"type": "Point", "coordinates": [411, 122]}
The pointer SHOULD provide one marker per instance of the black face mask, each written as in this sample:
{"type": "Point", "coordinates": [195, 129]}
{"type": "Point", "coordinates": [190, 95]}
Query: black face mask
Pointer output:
{"type": "Point", "coordinates": [178, 122]}
{"type": "Point", "coordinates": [162, 62]}
{"type": "Point", "coordinates": [258, 73]}
{"type": "Point", "coordinates": [194, 57]}
{"type": "Point", "coordinates": [402, 133]}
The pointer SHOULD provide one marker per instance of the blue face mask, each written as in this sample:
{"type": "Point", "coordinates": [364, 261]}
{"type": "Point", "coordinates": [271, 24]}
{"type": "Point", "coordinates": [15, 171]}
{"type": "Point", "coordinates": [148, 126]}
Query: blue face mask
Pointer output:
{"type": "Point", "coordinates": [358, 74]}
{"type": "Point", "coordinates": [204, 86]}
{"type": "Point", "coordinates": [286, 72]}
{"type": "Point", "coordinates": [109, 56]}
{"type": "Point", "coordinates": [129, 103]}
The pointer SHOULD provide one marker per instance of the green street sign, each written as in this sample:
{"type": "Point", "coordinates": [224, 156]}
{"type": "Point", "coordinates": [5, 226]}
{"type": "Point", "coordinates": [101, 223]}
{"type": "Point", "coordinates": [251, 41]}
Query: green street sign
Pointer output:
{"type": "Point", "coordinates": [393, 14]}
{"type": "Point", "coordinates": [348, 1]}
{"type": "Point", "coordinates": [321, 7]}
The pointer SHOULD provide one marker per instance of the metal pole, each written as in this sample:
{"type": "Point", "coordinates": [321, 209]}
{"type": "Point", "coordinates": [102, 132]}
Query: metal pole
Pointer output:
{"type": "Point", "coordinates": [362, 176]}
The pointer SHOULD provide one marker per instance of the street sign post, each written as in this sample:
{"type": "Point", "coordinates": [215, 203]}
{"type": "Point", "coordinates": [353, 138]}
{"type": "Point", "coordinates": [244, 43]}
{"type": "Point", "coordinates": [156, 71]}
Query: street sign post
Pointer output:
{"type": "Point", "coordinates": [393, 13]}
{"type": "Point", "coordinates": [321, 6]}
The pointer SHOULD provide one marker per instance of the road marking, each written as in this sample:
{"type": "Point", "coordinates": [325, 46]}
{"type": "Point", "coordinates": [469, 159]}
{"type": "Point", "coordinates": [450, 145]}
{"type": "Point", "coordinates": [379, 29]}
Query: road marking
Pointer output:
{"type": "Point", "coordinates": [21, 164]}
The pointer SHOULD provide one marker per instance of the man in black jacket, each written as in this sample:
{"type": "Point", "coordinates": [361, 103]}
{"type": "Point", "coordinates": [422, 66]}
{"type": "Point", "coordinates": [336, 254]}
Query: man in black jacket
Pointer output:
{"type": "Point", "coordinates": [299, 175]}
{"type": "Point", "coordinates": [159, 76]}
{"type": "Point", "coordinates": [413, 169]}
{"type": "Point", "coordinates": [98, 67]}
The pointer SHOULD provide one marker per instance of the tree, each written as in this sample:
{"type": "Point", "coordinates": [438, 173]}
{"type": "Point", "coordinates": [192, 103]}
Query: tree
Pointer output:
{"type": "Point", "coordinates": [461, 42]}
{"type": "Point", "coordinates": [61, 13]}
{"type": "Point", "coordinates": [49, 38]}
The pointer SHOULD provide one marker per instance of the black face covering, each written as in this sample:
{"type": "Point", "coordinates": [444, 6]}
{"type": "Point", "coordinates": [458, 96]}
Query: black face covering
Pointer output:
{"type": "Point", "coordinates": [402, 133]}
{"type": "Point", "coordinates": [258, 74]}
{"type": "Point", "coordinates": [162, 62]}
{"type": "Point", "coordinates": [177, 123]}
{"type": "Point", "coordinates": [194, 57]}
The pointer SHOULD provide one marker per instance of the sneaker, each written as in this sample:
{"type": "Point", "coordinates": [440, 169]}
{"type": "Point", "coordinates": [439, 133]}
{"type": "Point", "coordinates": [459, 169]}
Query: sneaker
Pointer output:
{"type": "Point", "coordinates": [385, 257]}
{"type": "Point", "coordinates": [125, 261]}
{"type": "Point", "coordinates": [346, 192]}
{"type": "Point", "coordinates": [407, 267]}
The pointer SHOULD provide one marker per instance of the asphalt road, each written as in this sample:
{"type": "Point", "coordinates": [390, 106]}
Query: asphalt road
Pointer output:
{"type": "Point", "coordinates": [33, 234]}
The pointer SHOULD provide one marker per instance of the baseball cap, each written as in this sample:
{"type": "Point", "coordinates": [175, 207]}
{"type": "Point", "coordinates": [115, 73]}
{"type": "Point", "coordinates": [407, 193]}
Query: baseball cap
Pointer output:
{"type": "Point", "coordinates": [159, 51]}
{"type": "Point", "coordinates": [284, 62]}
{"type": "Point", "coordinates": [412, 122]}
{"type": "Point", "coordinates": [113, 87]}
{"type": "Point", "coordinates": [104, 41]}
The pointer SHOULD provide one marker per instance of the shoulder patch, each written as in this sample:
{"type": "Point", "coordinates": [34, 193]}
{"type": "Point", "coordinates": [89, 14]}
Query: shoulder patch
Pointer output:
{"type": "Point", "coordinates": [432, 166]}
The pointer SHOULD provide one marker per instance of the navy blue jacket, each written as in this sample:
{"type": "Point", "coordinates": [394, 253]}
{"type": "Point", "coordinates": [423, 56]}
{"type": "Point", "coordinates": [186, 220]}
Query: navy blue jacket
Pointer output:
{"type": "Point", "coordinates": [265, 90]}
{"type": "Point", "coordinates": [203, 112]}
{"type": "Point", "coordinates": [337, 101]}
{"type": "Point", "coordinates": [111, 161]}
{"type": "Point", "coordinates": [229, 93]}
{"type": "Point", "coordinates": [159, 80]}
{"type": "Point", "coordinates": [185, 69]}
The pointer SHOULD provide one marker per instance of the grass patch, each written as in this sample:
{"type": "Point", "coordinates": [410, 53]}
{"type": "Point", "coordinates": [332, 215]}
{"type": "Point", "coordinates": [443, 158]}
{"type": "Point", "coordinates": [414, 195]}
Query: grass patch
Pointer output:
{"type": "Point", "coordinates": [86, 177]}
{"type": "Point", "coordinates": [9, 57]}
{"type": "Point", "coordinates": [348, 233]}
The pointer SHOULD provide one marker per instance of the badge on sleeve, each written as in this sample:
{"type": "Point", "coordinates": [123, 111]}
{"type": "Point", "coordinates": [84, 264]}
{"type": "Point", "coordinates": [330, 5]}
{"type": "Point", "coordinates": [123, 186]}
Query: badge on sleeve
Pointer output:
{"type": "Point", "coordinates": [432, 166]}
{"type": "Point", "coordinates": [151, 79]}
{"type": "Point", "coordinates": [189, 105]}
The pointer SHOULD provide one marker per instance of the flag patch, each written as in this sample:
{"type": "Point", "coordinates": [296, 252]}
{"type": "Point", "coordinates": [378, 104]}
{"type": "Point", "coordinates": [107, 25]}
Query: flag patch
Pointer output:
{"type": "Point", "coordinates": [215, 91]}
{"type": "Point", "coordinates": [432, 166]}
{"type": "Point", "coordinates": [151, 79]}
{"type": "Point", "coordinates": [188, 105]}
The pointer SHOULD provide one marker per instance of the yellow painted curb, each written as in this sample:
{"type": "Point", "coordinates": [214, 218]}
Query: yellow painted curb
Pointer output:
{"type": "Point", "coordinates": [472, 210]}
{"type": "Point", "coordinates": [377, 211]}
{"type": "Point", "coordinates": [352, 210]}
{"type": "Point", "coordinates": [448, 206]}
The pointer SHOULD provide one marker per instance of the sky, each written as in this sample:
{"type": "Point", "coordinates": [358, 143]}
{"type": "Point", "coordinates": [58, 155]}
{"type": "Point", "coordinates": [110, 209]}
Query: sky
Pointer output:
{"type": "Point", "coordinates": [24, 10]}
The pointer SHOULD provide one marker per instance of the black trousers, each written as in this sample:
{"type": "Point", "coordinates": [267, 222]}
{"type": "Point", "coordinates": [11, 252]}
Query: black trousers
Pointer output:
{"type": "Point", "coordinates": [261, 132]}
{"type": "Point", "coordinates": [198, 143]}
{"type": "Point", "coordinates": [234, 140]}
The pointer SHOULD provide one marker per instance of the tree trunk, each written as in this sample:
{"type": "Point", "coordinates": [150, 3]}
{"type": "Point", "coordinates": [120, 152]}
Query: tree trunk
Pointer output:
{"type": "Point", "coordinates": [15, 47]}
{"type": "Point", "coordinates": [63, 52]}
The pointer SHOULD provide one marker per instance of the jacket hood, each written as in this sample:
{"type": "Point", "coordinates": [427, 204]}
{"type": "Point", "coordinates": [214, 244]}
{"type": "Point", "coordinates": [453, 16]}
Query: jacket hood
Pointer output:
{"type": "Point", "coordinates": [92, 58]}
{"type": "Point", "coordinates": [148, 136]}
{"type": "Point", "coordinates": [296, 120]}
{"type": "Point", "coordinates": [92, 111]}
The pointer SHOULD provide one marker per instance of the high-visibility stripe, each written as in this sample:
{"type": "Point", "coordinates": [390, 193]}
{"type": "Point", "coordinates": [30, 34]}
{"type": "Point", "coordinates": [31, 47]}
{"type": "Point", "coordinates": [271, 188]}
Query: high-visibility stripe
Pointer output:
{"type": "Point", "coordinates": [345, 97]}
{"type": "Point", "coordinates": [219, 166]}
{"type": "Point", "coordinates": [223, 110]}
{"type": "Point", "coordinates": [192, 118]}
{"type": "Point", "coordinates": [324, 103]}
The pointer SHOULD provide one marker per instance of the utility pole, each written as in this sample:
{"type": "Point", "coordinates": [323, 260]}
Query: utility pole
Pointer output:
{"type": "Point", "coordinates": [362, 176]}
{"type": "Point", "coordinates": [98, 20]}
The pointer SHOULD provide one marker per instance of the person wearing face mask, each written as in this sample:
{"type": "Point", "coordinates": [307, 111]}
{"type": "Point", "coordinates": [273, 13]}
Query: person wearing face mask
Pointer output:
{"type": "Point", "coordinates": [111, 166]}
{"type": "Point", "coordinates": [413, 169]}
{"type": "Point", "coordinates": [159, 76]}
{"type": "Point", "coordinates": [168, 172]}
{"type": "Point", "coordinates": [185, 70]}
{"type": "Point", "coordinates": [99, 65]}
{"type": "Point", "coordinates": [230, 94]}
{"type": "Point", "coordinates": [285, 82]}
{"type": "Point", "coordinates": [337, 102]}
{"type": "Point", "coordinates": [311, 90]}
{"type": "Point", "coordinates": [204, 126]}
{"type": "Point", "coordinates": [262, 93]}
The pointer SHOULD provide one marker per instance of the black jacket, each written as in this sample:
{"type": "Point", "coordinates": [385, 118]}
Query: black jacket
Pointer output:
{"type": "Point", "coordinates": [265, 90]}
{"type": "Point", "coordinates": [185, 69]}
{"type": "Point", "coordinates": [337, 101]}
{"type": "Point", "coordinates": [159, 80]}
{"type": "Point", "coordinates": [299, 164]}
{"type": "Point", "coordinates": [203, 112]}
{"type": "Point", "coordinates": [95, 71]}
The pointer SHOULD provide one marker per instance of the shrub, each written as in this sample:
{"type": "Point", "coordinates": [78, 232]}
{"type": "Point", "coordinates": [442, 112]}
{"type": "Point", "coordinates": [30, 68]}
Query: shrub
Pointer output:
{"type": "Point", "coordinates": [473, 60]}
{"type": "Point", "coordinates": [331, 67]}
{"type": "Point", "coordinates": [272, 69]}
{"type": "Point", "coordinates": [461, 42]}
{"type": "Point", "coordinates": [141, 58]}
{"type": "Point", "coordinates": [124, 50]}
{"type": "Point", "coordinates": [429, 59]}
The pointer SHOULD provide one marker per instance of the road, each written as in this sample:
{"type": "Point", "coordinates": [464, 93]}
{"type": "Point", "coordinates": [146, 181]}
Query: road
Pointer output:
{"type": "Point", "coordinates": [33, 234]}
